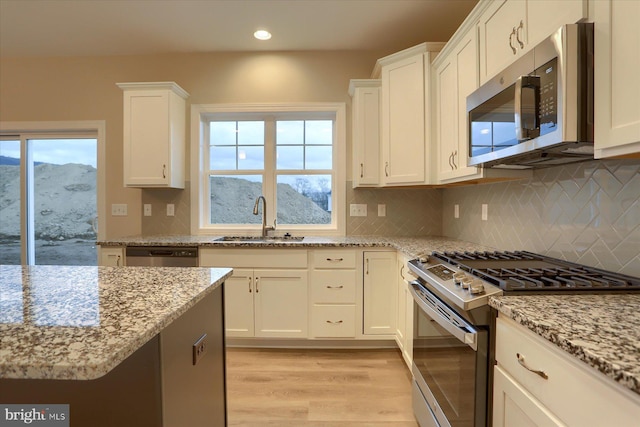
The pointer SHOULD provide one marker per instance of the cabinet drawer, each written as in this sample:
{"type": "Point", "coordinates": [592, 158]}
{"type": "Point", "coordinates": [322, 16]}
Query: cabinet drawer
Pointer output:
{"type": "Point", "coordinates": [333, 321]}
{"type": "Point", "coordinates": [333, 286]}
{"type": "Point", "coordinates": [576, 393]}
{"type": "Point", "coordinates": [334, 259]}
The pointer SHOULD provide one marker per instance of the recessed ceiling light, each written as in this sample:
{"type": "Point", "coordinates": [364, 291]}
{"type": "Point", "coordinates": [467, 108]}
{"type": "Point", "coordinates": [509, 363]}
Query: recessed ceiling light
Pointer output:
{"type": "Point", "coordinates": [262, 35]}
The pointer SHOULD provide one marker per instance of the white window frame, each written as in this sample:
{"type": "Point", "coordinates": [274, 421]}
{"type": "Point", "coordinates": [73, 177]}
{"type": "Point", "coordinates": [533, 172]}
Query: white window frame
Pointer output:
{"type": "Point", "coordinates": [46, 129]}
{"type": "Point", "coordinates": [200, 116]}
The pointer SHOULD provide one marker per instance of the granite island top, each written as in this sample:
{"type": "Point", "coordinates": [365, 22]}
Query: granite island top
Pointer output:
{"type": "Point", "coordinates": [78, 323]}
{"type": "Point", "coordinates": [600, 330]}
{"type": "Point", "coordinates": [411, 246]}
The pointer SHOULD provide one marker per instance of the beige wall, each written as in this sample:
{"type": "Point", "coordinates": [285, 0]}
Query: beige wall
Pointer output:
{"type": "Point", "coordinates": [57, 89]}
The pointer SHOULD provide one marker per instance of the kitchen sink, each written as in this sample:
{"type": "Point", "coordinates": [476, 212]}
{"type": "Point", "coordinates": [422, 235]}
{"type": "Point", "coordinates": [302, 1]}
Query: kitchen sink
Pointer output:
{"type": "Point", "coordinates": [260, 239]}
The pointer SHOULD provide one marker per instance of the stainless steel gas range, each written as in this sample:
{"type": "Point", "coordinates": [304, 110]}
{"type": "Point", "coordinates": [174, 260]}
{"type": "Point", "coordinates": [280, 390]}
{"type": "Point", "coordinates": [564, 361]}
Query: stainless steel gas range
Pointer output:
{"type": "Point", "coordinates": [453, 324]}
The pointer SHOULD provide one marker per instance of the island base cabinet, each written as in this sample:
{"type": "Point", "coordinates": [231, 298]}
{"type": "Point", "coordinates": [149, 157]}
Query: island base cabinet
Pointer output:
{"type": "Point", "coordinates": [157, 386]}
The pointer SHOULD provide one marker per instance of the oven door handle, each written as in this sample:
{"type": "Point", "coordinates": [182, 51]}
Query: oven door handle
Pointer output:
{"type": "Point", "coordinates": [446, 318]}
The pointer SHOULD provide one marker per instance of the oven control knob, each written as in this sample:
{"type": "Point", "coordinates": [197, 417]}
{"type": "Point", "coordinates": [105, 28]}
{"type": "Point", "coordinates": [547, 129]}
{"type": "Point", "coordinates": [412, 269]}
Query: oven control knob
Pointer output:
{"type": "Point", "coordinates": [457, 278]}
{"type": "Point", "coordinates": [466, 282]}
{"type": "Point", "coordinates": [476, 287]}
{"type": "Point", "coordinates": [424, 259]}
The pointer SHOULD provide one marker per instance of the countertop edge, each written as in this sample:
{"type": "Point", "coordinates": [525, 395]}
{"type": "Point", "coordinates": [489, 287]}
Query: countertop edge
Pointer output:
{"type": "Point", "coordinates": [554, 336]}
{"type": "Point", "coordinates": [107, 363]}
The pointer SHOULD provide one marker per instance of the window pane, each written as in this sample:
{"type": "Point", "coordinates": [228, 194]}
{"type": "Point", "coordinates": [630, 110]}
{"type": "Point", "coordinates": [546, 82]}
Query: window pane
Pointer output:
{"type": "Point", "coordinates": [222, 158]}
{"type": "Point", "coordinates": [236, 146]}
{"type": "Point", "coordinates": [290, 157]}
{"type": "Point", "coordinates": [304, 199]}
{"type": "Point", "coordinates": [250, 157]}
{"type": "Point", "coordinates": [10, 202]}
{"type": "Point", "coordinates": [64, 189]}
{"type": "Point", "coordinates": [251, 133]}
{"type": "Point", "coordinates": [233, 197]}
{"type": "Point", "coordinates": [290, 132]}
{"type": "Point", "coordinates": [319, 132]}
{"type": "Point", "coordinates": [222, 133]}
{"type": "Point", "coordinates": [318, 157]}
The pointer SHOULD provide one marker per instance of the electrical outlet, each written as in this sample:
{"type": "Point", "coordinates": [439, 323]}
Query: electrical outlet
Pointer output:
{"type": "Point", "coordinates": [456, 211]}
{"type": "Point", "coordinates": [119, 209]}
{"type": "Point", "coordinates": [357, 209]}
{"type": "Point", "coordinates": [171, 209]}
{"type": "Point", "coordinates": [199, 349]}
{"type": "Point", "coordinates": [382, 210]}
{"type": "Point", "coordinates": [485, 212]}
{"type": "Point", "coordinates": [147, 209]}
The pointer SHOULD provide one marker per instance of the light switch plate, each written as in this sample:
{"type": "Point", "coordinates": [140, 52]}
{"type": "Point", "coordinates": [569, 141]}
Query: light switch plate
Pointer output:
{"type": "Point", "coordinates": [147, 209]}
{"type": "Point", "coordinates": [199, 348]}
{"type": "Point", "coordinates": [171, 209]}
{"type": "Point", "coordinates": [356, 209]}
{"type": "Point", "coordinates": [485, 212]}
{"type": "Point", "coordinates": [119, 209]}
{"type": "Point", "coordinates": [382, 210]}
{"type": "Point", "coordinates": [456, 211]}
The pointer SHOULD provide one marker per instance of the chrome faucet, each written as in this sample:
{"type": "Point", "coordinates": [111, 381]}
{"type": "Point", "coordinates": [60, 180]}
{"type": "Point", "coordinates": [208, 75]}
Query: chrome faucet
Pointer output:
{"type": "Point", "coordinates": [265, 228]}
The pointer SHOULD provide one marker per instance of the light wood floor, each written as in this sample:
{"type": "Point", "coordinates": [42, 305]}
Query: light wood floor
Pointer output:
{"type": "Point", "coordinates": [283, 387]}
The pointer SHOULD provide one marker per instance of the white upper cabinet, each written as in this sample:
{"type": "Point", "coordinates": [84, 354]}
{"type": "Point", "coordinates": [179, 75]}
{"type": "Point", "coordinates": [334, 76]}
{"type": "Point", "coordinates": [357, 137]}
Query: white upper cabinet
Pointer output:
{"type": "Point", "coordinates": [405, 115]}
{"type": "Point", "coordinates": [508, 28]}
{"type": "Point", "coordinates": [456, 76]}
{"type": "Point", "coordinates": [154, 134]}
{"type": "Point", "coordinates": [617, 86]}
{"type": "Point", "coordinates": [365, 124]}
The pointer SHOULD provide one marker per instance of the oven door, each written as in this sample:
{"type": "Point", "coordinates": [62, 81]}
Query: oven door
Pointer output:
{"type": "Point", "coordinates": [450, 365]}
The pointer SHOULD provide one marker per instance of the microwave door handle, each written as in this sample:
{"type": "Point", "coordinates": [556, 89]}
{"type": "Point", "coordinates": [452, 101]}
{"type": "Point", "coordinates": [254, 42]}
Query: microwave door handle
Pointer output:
{"type": "Point", "coordinates": [528, 83]}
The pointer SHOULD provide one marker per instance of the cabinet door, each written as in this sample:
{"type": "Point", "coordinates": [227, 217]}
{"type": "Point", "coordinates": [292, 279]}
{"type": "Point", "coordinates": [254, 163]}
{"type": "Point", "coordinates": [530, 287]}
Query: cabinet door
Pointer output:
{"type": "Point", "coordinates": [146, 137]}
{"type": "Point", "coordinates": [617, 87]}
{"type": "Point", "coordinates": [366, 135]}
{"type": "Point", "coordinates": [457, 78]}
{"type": "Point", "coordinates": [503, 36]}
{"type": "Point", "coordinates": [281, 304]}
{"type": "Point", "coordinates": [514, 406]}
{"type": "Point", "coordinates": [546, 16]}
{"type": "Point", "coordinates": [112, 257]}
{"type": "Point", "coordinates": [379, 293]}
{"type": "Point", "coordinates": [238, 303]}
{"type": "Point", "coordinates": [403, 121]}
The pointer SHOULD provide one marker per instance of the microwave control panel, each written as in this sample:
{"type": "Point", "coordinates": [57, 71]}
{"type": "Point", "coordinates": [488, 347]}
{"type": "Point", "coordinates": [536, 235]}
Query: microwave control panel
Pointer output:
{"type": "Point", "coordinates": [548, 74]}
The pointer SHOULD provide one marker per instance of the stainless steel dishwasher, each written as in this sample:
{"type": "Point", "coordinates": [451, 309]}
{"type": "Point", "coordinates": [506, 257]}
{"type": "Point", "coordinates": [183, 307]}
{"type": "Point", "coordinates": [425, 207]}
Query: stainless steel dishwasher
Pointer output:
{"type": "Point", "coordinates": [162, 256]}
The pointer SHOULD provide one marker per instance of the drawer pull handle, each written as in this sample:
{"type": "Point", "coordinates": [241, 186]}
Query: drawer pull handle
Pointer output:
{"type": "Point", "coordinates": [524, 365]}
{"type": "Point", "coordinates": [335, 259]}
{"type": "Point", "coordinates": [334, 322]}
{"type": "Point", "coordinates": [335, 287]}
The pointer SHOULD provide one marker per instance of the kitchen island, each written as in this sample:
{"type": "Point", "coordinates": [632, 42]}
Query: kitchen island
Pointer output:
{"type": "Point", "coordinates": [116, 344]}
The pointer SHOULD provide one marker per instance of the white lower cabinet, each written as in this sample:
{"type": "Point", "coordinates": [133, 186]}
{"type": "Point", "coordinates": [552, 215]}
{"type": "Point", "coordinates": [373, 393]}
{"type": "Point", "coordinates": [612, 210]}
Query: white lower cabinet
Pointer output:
{"type": "Point", "coordinates": [565, 392]}
{"type": "Point", "coordinates": [263, 302]}
{"type": "Point", "coordinates": [404, 322]}
{"type": "Point", "coordinates": [379, 293]}
{"type": "Point", "coordinates": [111, 256]}
{"type": "Point", "coordinates": [333, 293]}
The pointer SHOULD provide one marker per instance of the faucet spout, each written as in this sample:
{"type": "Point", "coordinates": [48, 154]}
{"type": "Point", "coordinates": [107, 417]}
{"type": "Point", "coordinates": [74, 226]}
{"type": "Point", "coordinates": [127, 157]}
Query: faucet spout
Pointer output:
{"type": "Point", "coordinates": [265, 228]}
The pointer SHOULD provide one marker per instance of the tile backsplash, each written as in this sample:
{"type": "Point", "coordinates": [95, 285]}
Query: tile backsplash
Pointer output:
{"type": "Point", "coordinates": [587, 213]}
{"type": "Point", "coordinates": [409, 212]}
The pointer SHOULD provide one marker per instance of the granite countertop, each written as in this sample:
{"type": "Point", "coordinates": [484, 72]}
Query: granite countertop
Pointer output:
{"type": "Point", "coordinates": [78, 323]}
{"type": "Point", "coordinates": [600, 330]}
{"type": "Point", "coordinates": [411, 246]}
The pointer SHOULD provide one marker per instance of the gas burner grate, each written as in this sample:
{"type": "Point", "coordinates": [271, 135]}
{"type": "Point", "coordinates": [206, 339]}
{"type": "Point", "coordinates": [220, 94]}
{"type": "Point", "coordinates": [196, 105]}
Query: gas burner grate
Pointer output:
{"type": "Point", "coordinates": [526, 271]}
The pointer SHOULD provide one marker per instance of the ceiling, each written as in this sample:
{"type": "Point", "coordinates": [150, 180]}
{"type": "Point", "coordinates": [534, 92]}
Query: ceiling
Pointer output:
{"type": "Point", "coordinates": [31, 28]}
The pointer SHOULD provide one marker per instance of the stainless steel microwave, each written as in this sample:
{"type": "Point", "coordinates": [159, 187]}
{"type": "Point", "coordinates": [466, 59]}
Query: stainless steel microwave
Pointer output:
{"type": "Point", "coordinates": [539, 111]}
